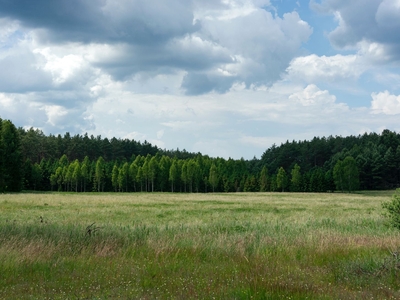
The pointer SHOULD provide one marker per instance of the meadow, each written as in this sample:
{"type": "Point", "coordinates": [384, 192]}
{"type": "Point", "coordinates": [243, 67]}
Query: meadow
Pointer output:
{"type": "Point", "coordinates": [197, 246]}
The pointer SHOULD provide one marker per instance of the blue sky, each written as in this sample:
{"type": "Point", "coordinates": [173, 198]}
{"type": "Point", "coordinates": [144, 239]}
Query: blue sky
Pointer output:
{"type": "Point", "coordinates": [222, 77]}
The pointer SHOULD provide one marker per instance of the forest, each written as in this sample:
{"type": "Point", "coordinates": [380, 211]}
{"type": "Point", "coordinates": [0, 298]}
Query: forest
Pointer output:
{"type": "Point", "coordinates": [33, 161]}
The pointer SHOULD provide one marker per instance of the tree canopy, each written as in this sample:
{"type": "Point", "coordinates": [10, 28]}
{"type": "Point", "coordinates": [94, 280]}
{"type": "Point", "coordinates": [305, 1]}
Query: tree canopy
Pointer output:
{"type": "Point", "coordinates": [31, 160]}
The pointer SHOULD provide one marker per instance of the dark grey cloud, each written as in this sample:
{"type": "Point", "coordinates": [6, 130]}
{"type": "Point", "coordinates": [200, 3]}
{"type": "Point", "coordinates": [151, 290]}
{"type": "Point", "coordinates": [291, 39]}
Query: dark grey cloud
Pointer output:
{"type": "Point", "coordinates": [99, 21]}
{"type": "Point", "coordinates": [69, 99]}
{"type": "Point", "coordinates": [190, 53]}
{"type": "Point", "coordinates": [372, 20]}
{"type": "Point", "coordinates": [19, 73]}
{"type": "Point", "coordinates": [213, 42]}
{"type": "Point", "coordinates": [198, 83]}
{"type": "Point", "coordinates": [261, 43]}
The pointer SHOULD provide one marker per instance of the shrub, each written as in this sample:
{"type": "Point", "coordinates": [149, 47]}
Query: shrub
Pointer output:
{"type": "Point", "coordinates": [392, 208]}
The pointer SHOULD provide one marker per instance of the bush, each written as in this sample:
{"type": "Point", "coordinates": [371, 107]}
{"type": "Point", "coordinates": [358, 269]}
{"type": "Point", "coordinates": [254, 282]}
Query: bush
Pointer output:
{"type": "Point", "coordinates": [392, 208]}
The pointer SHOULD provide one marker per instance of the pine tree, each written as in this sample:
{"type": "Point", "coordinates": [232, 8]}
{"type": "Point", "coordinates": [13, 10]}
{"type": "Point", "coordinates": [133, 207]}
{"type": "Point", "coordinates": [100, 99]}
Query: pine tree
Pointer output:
{"type": "Point", "coordinates": [12, 158]}
{"type": "Point", "coordinates": [2, 182]}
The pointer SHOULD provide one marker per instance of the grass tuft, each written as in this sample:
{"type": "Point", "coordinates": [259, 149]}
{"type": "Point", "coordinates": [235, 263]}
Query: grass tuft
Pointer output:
{"type": "Point", "coordinates": [198, 246]}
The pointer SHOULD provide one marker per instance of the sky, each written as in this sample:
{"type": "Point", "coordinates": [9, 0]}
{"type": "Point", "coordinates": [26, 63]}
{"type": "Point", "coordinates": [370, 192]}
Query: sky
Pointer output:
{"type": "Point", "coordinates": [227, 78]}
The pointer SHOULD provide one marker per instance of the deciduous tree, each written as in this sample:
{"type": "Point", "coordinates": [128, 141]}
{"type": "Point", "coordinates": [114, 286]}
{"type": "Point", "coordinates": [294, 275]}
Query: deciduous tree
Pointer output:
{"type": "Point", "coordinates": [281, 179]}
{"type": "Point", "coordinates": [296, 178]}
{"type": "Point", "coordinates": [213, 177]}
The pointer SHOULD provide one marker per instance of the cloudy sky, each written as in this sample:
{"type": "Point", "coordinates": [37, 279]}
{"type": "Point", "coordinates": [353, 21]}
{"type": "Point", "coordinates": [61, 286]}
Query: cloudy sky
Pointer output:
{"type": "Point", "coordinates": [222, 77]}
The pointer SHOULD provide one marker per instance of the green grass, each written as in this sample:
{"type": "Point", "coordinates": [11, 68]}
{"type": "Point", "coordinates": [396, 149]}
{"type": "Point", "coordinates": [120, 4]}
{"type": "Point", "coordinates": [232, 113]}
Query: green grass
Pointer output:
{"type": "Point", "coordinates": [197, 246]}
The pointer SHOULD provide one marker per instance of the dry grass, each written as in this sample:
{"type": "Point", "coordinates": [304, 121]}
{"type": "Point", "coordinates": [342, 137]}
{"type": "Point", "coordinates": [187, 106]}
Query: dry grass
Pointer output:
{"type": "Point", "coordinates": [232, 246]}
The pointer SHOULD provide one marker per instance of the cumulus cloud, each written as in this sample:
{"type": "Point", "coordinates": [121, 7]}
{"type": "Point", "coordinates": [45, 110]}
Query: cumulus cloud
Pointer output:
{"type": "Point", "coordinates": [223, 77]}
{"type": "Point", "coordinates": [215, 43]}
{"type": "Point", "coordinates": [20, 68]}
{"type": "Point", "coordinates": [103, 21]}
{"type": "Point", "coordinates": [374, 21]}
{"type": "Point", "coordinates": [387, 15]}
{"type": "Point", "coordinates": [261, 44]}
{"type": "Point", "coordinates": [240, 123]}
{"type": "Point", "coordinates": [25, 111]}
{"type": "Point", "coordinates": [385, 103]}
{"type": "Point", "coordinates": [343, 71]}
{"type": "Point", "coordinates": [313, 68]}
{"type": "Point", "coordinates": [312, 95]}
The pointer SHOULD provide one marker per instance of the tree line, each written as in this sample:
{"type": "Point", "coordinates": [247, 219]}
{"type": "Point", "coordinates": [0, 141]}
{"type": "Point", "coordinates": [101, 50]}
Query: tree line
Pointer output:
{"type": "Point", "coordinates": [30, 160]}
{"type": "Point", "coordinates": [376, 156]}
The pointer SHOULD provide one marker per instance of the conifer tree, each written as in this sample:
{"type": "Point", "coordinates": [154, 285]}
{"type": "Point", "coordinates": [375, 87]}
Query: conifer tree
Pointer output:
{"type": "Point", "coordinates": [2, 183]}
{"type": "Point", "coordinates": [11, 158]}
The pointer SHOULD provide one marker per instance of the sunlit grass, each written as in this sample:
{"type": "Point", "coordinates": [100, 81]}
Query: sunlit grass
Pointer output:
{"type": "Point", "coordinates": [203, 246]}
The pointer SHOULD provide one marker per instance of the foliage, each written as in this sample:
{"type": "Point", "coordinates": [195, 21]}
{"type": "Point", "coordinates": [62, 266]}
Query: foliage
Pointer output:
{"type": "Point", "coordinates": [11, 164]}
{"type": "Point", "coordinates": [351, 174]}
{"type": "Point", "coordinates": [31, 160]}
{"type": "Point", "coordinates": [346, 174]}
{"type": "Point", "coordinates": [213, 177]}
{"type": "Point", "coordinates": [264, 180]}
{"type": "Point", "coordinates": [281, 179]}
{"type": "Point", "coordinates": [295, 179]}
{"type": "Point", "coordinates": [392, 209]}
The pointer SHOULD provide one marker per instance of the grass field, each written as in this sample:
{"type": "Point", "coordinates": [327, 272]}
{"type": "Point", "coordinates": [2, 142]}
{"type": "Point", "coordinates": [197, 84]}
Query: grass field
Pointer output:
{"type": "Point", "coordinates": [197, 246]}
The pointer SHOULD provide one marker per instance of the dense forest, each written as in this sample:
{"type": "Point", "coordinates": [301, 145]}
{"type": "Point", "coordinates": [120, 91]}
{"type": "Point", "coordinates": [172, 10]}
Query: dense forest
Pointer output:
{"type": "Point", "coordinates": [30, 160]}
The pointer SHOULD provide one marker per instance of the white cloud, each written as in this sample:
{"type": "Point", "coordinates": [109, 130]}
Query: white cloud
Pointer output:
{"type": "Point", "coordinates": [388, 78]}
{"type": "Point", "coordinates": [135, 136]}
{"type": "Point", "coordinates": [210, 45]}
{"type": "Point", "coordinates": [260, 142]}
{"type": "Point", "coordinates": [312, 95]}
{"type": "Point", "coordinates": [343, 71]}
{"type": "Point", "coordinates": [5, 101]}
{"type": "Point", "coordinates": [233, 123]}
{"type": "Point", "coordinates": [313, 68]}
{"type": "Point", "coordinates": [160, 134]}
{"type": "Point", "coordinates": [112, 69]}
{"type": "Point", "coordinates": [373, 53]}
{"type": "Point", "coordinates": [55, 114]}
{"type": "Point", "coordinates": [374, 22]}
{"type": "Point", "coordinates": [385, 103]}
{"type": "Point", "coordinates": [62, 68]}
{"type": "Point", "coordinates": [260, 41]}
{"type": "Point", "coordinates": [7, 29]}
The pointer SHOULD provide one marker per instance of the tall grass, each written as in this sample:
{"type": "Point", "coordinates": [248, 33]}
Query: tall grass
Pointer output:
{"type": "Point", "coordinates": [198, 246]}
